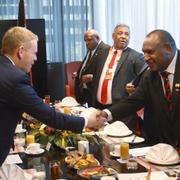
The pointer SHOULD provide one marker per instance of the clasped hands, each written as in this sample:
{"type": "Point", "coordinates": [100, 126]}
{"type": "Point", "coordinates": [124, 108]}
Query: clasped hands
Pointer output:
{"type": "Point", "coordinates": [96, 118]}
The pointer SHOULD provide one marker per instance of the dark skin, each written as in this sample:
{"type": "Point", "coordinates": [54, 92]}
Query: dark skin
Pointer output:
{"type": "Point", "coordinates": [157, 54]}
{"type": "Point", "coordinates": [121, 37]}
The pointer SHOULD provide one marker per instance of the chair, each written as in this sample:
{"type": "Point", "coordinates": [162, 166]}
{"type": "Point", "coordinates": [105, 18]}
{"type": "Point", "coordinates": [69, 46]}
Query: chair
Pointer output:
{"type": "Point", "coordinates": [70, 68]}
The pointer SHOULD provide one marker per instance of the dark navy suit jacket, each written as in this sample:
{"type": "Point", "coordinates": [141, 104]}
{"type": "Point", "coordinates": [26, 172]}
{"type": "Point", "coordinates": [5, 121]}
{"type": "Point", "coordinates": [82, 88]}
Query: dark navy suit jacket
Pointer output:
{"type": "Point", "coordinates": [160, 125]}
{"type": "Point", "coordinates": [18, 96]}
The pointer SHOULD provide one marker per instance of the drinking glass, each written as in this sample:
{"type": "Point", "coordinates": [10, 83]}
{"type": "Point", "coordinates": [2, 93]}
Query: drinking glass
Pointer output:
{"type": "Point", "coordinates": [30, 139]}
{"type": "Point", "coordinates": [19, 139]}
{"type": "Point", "coordinates": [40, 172]}
{"type": "Point", "coordinates": [55, 170]}
{"type": "Point", "coordinates": [124, 151]}
{"type": "Point", "coordinates": [47, 99]}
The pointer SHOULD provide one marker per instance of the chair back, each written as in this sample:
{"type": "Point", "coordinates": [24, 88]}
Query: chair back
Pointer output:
{"type": "Point", "coordinates": [70, 68]}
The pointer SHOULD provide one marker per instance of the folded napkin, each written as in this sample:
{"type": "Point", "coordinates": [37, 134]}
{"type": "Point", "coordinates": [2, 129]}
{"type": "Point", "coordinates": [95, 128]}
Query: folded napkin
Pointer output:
{"type": "Point", "coordinates": [162, 154]}
{"type": "Point", "coordinates": [117, 128]}
{"type": "Point", "coordinates": [66, 102]}
{"type": "Point", "coordinates": [12, 171]}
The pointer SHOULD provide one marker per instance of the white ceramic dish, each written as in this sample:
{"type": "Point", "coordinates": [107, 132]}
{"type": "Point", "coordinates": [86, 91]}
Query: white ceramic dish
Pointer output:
{"type": "Point", "coordinates": [39, 152]}
{"type": "Point", "coordinates": [131, 140]}
{"type": "Point", "coordinates": [112, 153]}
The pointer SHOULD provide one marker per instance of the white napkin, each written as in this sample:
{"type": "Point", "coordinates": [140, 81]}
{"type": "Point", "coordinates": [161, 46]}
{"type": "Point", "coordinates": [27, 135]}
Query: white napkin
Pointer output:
{"type": "Point", "coordinates": [117, 128]}
{"type": "Point", "coordinates": [67, 101]}
{"type": "Point", "coordinates": [12, 171]}
{"type": "Point", "coordinates": [162, 154]}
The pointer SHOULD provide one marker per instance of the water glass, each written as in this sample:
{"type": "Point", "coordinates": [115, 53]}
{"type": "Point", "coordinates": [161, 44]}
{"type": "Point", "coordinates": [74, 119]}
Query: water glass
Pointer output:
{"type": "Point", "coordinates": [40, 172]}
{"type": "Point", "coordinates": [19, 139]}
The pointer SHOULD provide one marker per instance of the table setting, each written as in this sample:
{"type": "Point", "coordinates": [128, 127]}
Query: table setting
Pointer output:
{"type": "Point", "coordinates": [113, 151]}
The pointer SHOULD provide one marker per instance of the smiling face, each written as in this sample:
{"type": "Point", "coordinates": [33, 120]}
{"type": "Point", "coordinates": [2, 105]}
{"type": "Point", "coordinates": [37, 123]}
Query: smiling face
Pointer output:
{"type": "Point", "coordinates": [121, 37]}
{"type": "Point", "coordinates": [157, 53]}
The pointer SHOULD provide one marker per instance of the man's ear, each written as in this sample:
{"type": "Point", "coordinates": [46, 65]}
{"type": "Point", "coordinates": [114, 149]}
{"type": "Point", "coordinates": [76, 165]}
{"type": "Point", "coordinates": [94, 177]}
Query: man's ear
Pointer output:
{"type": "Point", "coordinates": [20, 52]}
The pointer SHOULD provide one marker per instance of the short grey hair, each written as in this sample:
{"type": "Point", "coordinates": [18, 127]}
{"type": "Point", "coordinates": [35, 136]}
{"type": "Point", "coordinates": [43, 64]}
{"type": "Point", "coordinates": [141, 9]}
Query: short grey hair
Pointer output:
{"type": "Point", "coordinates": [120, 25]}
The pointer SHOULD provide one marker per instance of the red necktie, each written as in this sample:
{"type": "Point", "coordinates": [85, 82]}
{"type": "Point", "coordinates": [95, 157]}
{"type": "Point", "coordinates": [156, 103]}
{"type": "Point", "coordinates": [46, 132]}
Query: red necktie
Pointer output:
{"type": "Point", "coordinates": [106, 80]}
{"type": "Point", "coordinates": [168, 93]}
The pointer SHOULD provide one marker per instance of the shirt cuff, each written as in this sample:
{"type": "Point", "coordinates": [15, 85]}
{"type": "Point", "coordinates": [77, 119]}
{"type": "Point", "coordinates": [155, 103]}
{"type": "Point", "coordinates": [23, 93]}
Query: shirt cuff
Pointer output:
{"type": "Point", "coordinates": [109, 118]}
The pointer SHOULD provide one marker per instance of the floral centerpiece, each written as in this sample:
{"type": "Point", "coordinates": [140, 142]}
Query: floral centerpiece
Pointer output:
{"type": "Point", "coordinates": [44, 134]}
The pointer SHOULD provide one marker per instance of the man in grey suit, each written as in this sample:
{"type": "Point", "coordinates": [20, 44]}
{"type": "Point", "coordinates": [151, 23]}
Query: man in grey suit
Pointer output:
{"type": "Point", "coordinates": [96, 51]}
{"type": "Point", "coordinates": [110, 79]}
{"type": "Point", "coordinates": [160, 99]}
{"type": "Point", "coordinates": [19, 48]}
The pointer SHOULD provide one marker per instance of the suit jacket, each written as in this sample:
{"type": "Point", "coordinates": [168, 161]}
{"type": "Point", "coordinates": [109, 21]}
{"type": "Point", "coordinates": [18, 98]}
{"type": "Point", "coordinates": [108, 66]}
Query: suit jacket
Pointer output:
{"type": "Point", "coordinates": [85, 95]}
{"type": "Point", "coordinates": [18, 96]}
{"type": "Point", "coordinates": [160, 125]}
{"type": "Point", "coordinates": [127, 69]}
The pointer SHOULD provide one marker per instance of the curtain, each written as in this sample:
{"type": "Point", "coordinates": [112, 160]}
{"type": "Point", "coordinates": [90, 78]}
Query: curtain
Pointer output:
{"type": "Point", "coordinates": [142, 16]}
{"type": "Point", "coordinates": [66, 21]}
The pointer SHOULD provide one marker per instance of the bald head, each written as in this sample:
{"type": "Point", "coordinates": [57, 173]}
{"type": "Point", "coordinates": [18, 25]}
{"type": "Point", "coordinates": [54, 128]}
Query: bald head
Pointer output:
{"type": "Point", "coordinates": [92, 38]}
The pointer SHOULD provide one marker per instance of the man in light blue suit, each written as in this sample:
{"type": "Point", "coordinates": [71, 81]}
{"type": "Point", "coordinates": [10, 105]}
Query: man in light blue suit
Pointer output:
{"type": "Point", "coordinates": [19, 48]}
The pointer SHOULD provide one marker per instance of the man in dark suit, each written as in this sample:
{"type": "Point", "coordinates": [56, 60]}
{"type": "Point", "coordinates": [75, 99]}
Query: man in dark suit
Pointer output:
{"type": "Point", "coordinates": [97, 50]}
{"type": "Point", "coordinates": [161, 115]}
{"type": "Point", "coordinates": [124, 69]}
{"type": "Point", "coordinates": [19, 48]}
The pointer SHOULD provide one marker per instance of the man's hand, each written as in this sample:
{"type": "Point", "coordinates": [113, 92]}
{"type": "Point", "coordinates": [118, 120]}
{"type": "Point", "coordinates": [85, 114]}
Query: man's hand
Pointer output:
{"type": "Point", "coordinates": [95, 120]}
{"type": "Point", "coordinates": [74, 75]}
{"type": "Point", "coordinates": [87, 78]}
{"type": "Point", "coordinates": [130, 88]}
{"type": "Point", "coordinates": [103, 114]}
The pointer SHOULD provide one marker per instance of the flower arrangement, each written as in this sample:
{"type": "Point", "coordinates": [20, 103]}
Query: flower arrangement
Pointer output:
{"type": "Point", "coordinates": [44, 134]}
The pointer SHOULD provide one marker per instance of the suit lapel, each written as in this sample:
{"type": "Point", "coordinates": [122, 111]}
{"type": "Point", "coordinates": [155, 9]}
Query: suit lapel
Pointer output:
{"type": "Point", "coordinates": [121, 60]}
{"type": "Point", "coordinates": [159, 93]}
{"type": "Point", "coordinates": [176, 85]}
{"type": "Point", "coordinates": [97, 51]}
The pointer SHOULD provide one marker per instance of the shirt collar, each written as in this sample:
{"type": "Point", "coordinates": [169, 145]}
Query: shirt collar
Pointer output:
{"type": "Point", "coordinates": [10, 59]}
{"type": "Point", "coordinates": [171, 68]}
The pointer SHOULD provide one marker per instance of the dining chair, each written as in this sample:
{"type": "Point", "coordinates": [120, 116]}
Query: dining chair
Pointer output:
{"type": "Point", "coordinates": [70, 68]}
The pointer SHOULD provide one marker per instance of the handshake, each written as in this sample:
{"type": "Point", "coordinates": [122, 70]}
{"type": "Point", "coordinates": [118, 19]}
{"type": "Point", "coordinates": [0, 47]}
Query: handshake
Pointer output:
{"type": "Point", "coordinates": [95, 118]}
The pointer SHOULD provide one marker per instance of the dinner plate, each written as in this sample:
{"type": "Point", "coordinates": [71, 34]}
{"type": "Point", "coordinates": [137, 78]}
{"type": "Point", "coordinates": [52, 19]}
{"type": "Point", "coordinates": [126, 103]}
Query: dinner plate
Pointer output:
{"type": "Point", "coordinates": [96, 172]}
{"type": "Point", "coordinates": [40, 151]}
{"type": "Point", "coordinates": [121, 134]}
{"type": "Point", "coordinates": [154, 161]}
{"type": "Point", "coordinates": [131, 140]}
{"type": "Point", "coordinates": [112, 153]}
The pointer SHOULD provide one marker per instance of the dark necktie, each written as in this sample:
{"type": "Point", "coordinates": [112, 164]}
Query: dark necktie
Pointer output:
{"type": "Point", "coordinates": [168, 93]}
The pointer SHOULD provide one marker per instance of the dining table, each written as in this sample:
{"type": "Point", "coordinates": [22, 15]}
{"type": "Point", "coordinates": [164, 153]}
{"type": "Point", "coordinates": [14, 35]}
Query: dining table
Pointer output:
{"type": "Point", "coordinates": [99, 148]}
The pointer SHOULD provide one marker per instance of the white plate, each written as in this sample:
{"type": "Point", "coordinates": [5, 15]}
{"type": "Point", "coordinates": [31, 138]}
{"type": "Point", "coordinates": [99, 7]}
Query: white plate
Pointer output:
{"type": "Point", "coordinates": [165, 163]}
{"type": "Point", "coordinates": [137, 139]}
{"type": "Point", "coordinates": [120, 134]}
{"type": "Point", "coordinates": [40, 151]}
{"type": "Point", "coordinates": [112, 153]}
